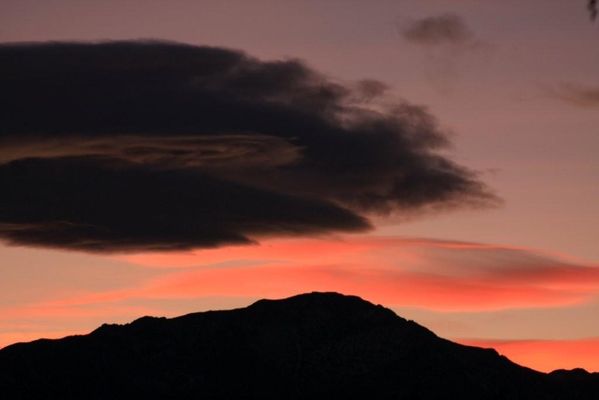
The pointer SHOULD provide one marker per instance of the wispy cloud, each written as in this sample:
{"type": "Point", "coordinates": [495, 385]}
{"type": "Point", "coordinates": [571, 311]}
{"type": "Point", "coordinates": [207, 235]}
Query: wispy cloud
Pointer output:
{"type": "Point", "coordinates": [577, 94]}
{"type": "Point", "coordinates": [592, 6]}
{"type": "Point", "coordinates": [447, 43]}
{"type": "Point", "coordinates": [446, 29]}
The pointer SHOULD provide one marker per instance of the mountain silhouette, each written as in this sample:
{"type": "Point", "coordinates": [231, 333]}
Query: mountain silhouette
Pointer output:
{"type": "Point", "coordinates": [310, 346]}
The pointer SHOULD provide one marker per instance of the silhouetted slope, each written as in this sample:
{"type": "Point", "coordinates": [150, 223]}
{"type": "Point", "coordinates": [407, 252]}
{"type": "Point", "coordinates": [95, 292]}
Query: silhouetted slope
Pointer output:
{"type": "Point", "coordinates": [318, 345]}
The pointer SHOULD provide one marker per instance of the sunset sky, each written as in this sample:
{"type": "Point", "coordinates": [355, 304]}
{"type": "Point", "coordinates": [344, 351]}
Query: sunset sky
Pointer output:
{"type": "Point", "coordinates": [438, 157]}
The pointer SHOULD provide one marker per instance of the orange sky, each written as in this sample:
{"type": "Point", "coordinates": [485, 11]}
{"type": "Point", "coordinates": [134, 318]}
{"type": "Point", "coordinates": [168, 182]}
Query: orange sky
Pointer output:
{"type": "Point", "coordinates": [523, 278]}
{"type": "Point", "coordinates": [546, 355]}
{"type": "Point", "coordinates": [459, 280]}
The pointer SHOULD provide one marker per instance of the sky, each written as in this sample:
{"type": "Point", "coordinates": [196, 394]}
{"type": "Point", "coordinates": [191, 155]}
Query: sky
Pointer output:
{"type": "Point", "coordinates": [437, 157]}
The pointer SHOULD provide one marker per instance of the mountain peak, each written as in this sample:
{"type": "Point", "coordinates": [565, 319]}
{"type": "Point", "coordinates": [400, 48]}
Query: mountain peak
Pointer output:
{"type": "Point", "coordinates": [329, 304]}
{"type": "Point", "coordinates": [311, 297]}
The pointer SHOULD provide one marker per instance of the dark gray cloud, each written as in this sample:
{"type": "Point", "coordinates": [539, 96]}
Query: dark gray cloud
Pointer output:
{"type": "Point", "coordinates": [99, 205]}
{"type": "Point", "coordinates": [438, 30]}
{"type": "Point", "coordinates": [145, 145]}
{"type": "Point", "coordinates": [578, 95]}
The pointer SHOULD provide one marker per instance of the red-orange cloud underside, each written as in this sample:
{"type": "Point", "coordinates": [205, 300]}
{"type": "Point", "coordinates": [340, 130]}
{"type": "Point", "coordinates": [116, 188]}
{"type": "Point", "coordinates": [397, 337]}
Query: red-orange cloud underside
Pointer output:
{"type": "Point", "coordinates": [393, 271]}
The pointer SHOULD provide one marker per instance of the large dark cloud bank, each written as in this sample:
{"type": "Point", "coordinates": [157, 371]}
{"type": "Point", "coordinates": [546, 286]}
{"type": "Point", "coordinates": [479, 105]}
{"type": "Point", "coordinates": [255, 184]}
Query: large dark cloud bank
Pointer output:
{"type": "Point", "coordinates": [146, 145]}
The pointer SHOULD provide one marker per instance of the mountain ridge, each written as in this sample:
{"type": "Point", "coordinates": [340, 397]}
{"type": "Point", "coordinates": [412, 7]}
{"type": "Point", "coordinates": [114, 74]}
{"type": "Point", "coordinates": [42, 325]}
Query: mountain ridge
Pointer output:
{"type": "Point", "coordinates": [314, 344]}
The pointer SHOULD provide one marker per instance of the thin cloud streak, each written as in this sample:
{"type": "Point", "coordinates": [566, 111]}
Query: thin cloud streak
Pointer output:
{"type": "Point", "coordinates": [578, 95]}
